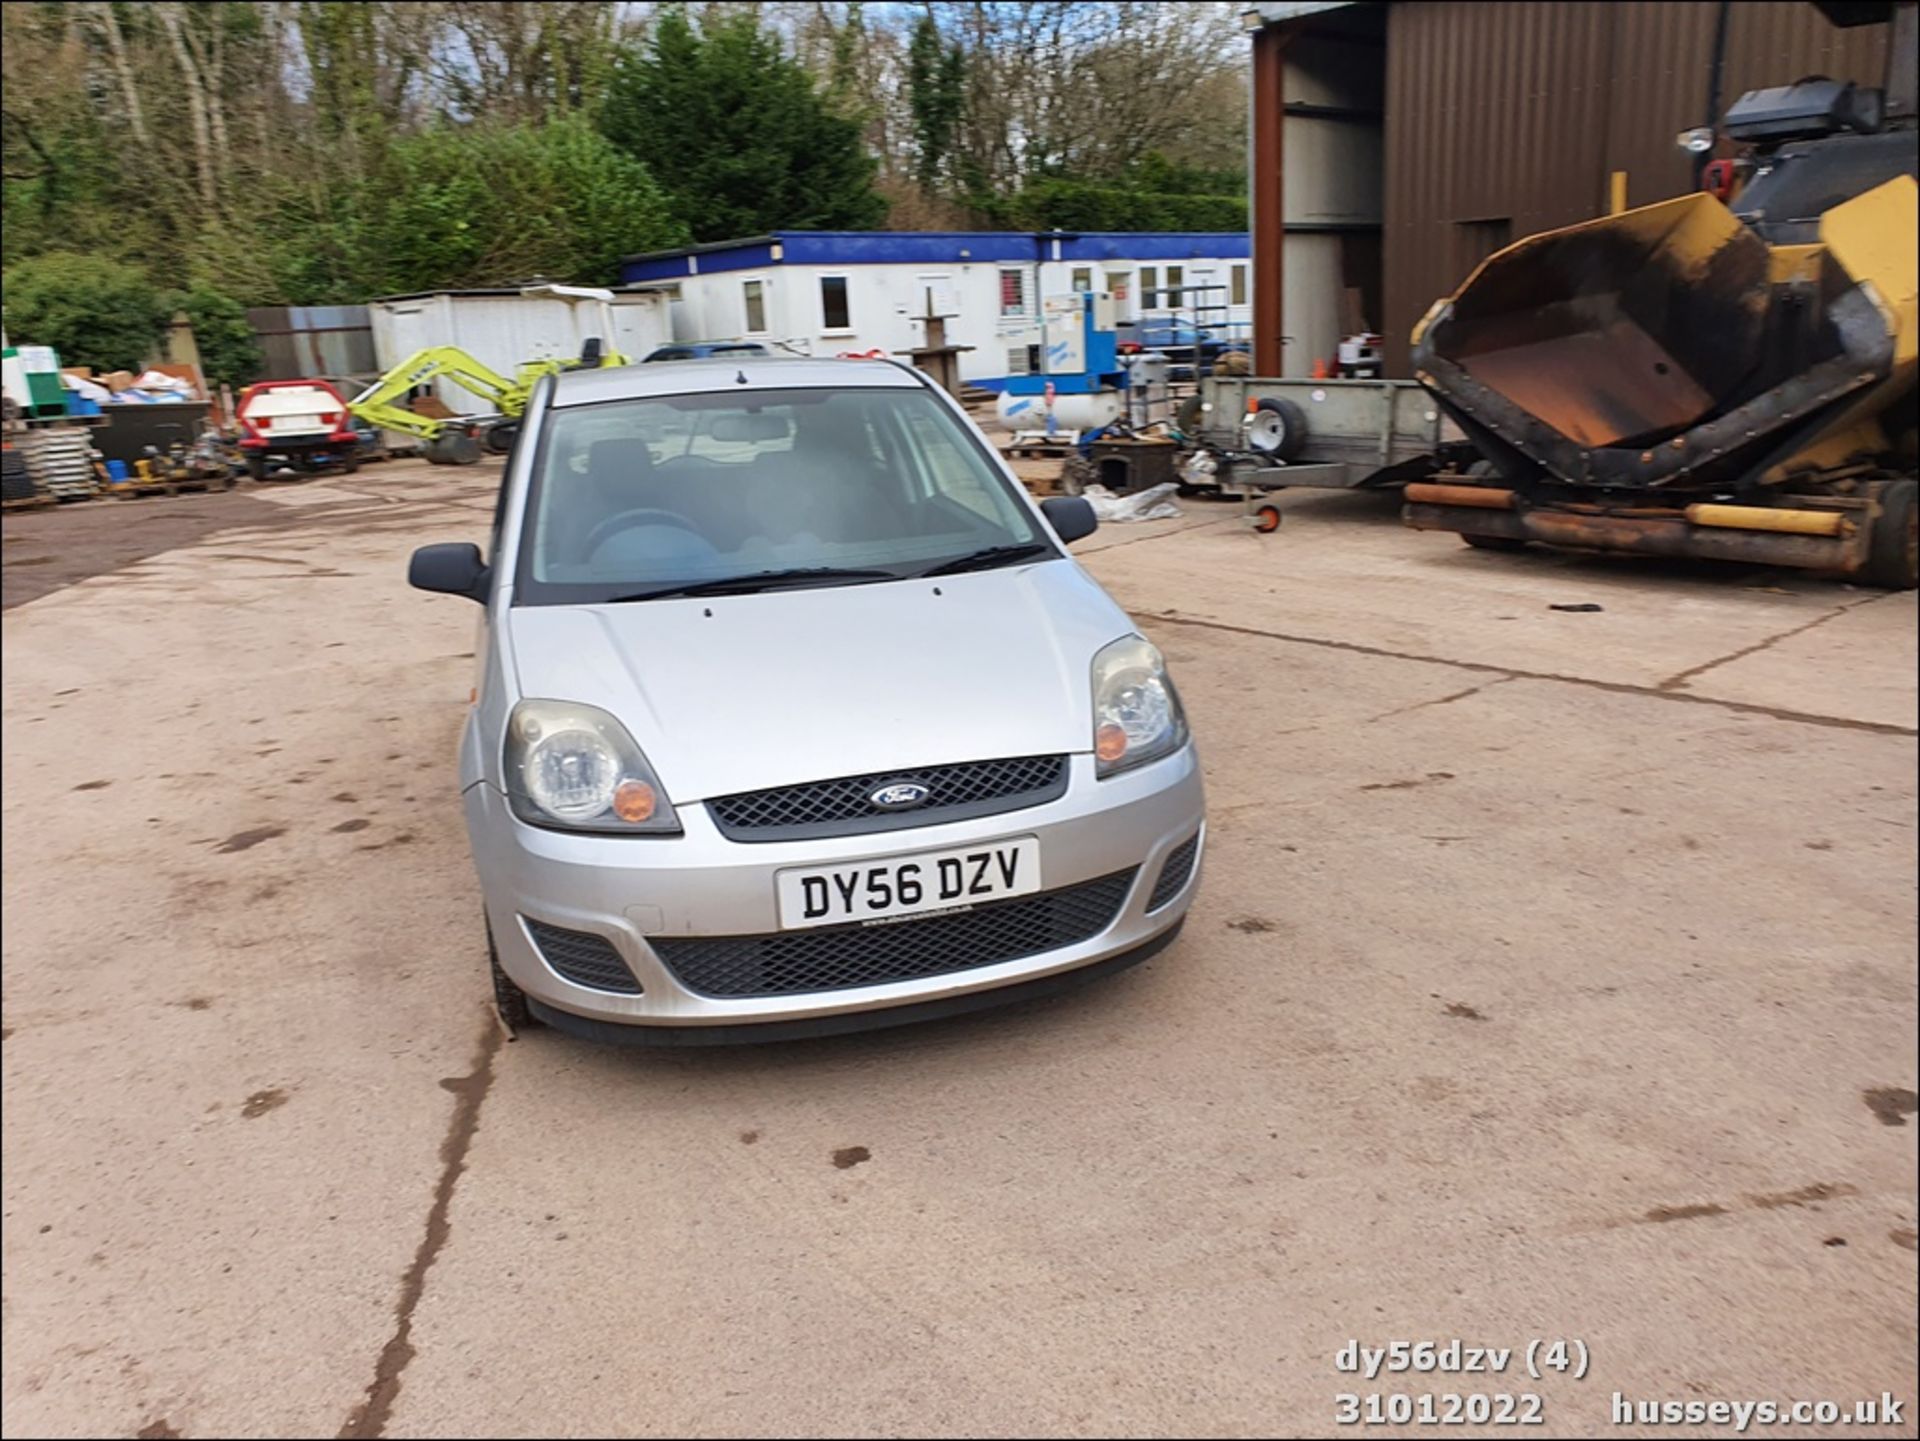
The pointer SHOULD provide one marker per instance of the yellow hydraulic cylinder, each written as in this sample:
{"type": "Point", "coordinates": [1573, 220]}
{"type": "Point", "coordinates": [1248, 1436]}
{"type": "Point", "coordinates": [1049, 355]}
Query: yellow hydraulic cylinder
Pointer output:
{"type": "Point", "coordinates": [1761, 517]}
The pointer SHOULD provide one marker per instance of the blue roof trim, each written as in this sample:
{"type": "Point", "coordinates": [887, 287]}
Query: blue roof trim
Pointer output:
{"type": "Point", "coordinates": [905, 247]}
{"type": "Point", "coordinates": [936, 247]}
{"type": "Point", "coordinates": [1157, 245]}
{"type": "Point", "coordinates": [748, 257]}
{"type": "Point", "coordinates": [703, 262]}
{"type": "Point", "coordinates": [665, 267]}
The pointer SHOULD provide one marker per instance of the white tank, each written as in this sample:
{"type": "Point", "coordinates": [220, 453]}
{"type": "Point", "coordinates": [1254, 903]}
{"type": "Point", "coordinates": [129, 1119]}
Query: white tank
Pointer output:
{"type": "Point", "coordinates": [1070, 412]}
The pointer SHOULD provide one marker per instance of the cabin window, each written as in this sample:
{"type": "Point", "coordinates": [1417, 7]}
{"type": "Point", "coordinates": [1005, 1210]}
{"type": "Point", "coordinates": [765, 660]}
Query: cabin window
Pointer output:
{"type": "Point", "coordinates": [1013, 292]}
{"type": "Point", "coordinates": [835, 313]}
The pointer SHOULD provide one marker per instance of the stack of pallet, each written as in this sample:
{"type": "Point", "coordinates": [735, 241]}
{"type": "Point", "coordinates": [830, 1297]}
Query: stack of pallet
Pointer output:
{"type": "Point", "coordinates": [60, 460]}
{"type": "Point", "coordinates": [16, 485]}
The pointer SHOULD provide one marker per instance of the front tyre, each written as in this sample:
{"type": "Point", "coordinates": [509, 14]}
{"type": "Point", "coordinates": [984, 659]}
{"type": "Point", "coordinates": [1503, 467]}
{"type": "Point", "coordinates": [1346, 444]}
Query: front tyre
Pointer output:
{"type": "Point", "coordinates": [508, 999]}
{"type": "Point", "coordinates": [1893, 550]}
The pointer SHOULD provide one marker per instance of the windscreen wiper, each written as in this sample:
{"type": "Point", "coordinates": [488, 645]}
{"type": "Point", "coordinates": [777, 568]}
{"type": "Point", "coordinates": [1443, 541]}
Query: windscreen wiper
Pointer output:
{"type": "Point", "coordinates": [986, 559]}
{"type": "Point", "coordinates": [756, 581]}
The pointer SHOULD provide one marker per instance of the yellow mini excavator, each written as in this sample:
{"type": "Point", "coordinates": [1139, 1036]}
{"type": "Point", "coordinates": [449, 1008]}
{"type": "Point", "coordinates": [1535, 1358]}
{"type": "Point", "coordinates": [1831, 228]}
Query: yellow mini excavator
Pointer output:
{"type": "Point", "coordinates": [461, 440]}
{"type": "Point", "coordinates": [1726, 378]}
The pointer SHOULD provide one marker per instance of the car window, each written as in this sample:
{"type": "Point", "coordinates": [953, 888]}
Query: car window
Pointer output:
{"type": "Point", "coordinates": [633, 494]}
{"type": "Point", "coordinates": [943, 469]}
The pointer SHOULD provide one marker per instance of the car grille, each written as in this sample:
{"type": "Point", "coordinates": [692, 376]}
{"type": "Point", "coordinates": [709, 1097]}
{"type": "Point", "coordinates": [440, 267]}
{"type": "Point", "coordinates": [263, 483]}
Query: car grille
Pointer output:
{"type": "Point", "coordinates": [1174, 873]}
{"type": "Point", "coordinates": [834, 958]}
{"type": "Point", "coordinates": [841, 807]}
{"type": "Point", "coordinates": [583, 958]}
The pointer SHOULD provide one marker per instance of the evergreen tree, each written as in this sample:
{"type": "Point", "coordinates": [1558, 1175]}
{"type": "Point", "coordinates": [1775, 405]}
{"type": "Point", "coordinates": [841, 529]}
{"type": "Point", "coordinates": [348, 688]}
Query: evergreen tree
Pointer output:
{"type": "Point", "coordinates": [937, 92]}
{"type": "Point", "coordinates": [737, 133]}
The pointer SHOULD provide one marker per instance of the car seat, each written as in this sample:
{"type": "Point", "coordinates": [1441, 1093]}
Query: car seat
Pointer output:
{"type": "Point", "coordinates": [619, 477]}
{"type": "Point", "coordinates": [845, 492]}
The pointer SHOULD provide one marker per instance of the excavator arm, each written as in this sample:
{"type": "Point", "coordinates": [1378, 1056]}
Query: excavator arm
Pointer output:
{"type": "Point", "coordinates": [381, 403]}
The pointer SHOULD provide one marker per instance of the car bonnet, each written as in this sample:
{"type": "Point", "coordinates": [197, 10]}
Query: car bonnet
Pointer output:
{"type": "Point", "coordinates": [737, 693]}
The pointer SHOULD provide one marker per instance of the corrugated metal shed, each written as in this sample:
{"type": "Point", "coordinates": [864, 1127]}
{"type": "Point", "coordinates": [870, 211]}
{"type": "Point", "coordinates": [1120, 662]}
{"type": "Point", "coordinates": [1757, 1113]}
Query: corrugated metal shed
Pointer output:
{"type": "Point", "coordinates": [1507, 118]}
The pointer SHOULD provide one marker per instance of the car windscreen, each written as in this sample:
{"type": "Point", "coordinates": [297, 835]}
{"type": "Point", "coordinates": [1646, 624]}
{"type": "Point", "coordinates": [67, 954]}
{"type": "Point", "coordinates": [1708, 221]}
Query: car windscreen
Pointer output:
{"type": "Point", "coordinates": [635, 496]}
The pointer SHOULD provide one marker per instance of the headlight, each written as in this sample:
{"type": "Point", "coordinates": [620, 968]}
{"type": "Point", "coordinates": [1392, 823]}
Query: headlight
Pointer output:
{"type": "Point", "coordinates": [575, 766]}
{"type": "Point", "coordinates": [1136, 714]}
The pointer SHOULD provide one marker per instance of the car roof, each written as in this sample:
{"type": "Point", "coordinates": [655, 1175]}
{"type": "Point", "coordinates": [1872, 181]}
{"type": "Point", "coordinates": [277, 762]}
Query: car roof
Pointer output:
{"type": "Point", "coordinates": [724, 372]}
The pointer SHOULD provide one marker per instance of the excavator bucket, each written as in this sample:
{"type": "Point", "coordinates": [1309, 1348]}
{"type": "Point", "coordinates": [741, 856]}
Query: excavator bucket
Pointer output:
{"type": "Point", "coordinates": [454, 445]}
{"type": "Point", "coordinates": [1665, 346]}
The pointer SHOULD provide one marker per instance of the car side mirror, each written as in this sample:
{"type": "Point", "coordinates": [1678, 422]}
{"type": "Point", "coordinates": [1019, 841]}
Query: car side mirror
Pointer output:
{"type": "Point", "coordinates": [453, 569]}
{"type": "Point", "coordinates": [1071, 517]}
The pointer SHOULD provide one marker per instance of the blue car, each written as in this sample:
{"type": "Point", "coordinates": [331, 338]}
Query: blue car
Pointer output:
{"type": "Point", "coordinates": [705, 349]}
{"type": "Point", "coordinates": [1168, 333]}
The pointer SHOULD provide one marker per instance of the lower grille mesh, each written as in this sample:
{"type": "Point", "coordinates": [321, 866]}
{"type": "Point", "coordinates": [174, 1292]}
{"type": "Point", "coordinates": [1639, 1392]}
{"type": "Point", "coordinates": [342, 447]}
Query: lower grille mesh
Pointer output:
{"type": "Point", "coordinates": [838, 957]}
{"type": "Point", "coordinates": [583, 958]}
{"type": "Point", "coordinates": [1173, 874]}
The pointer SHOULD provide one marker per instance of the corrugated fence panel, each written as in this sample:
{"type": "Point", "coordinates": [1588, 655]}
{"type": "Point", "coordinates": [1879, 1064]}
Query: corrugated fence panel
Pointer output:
{"type": "Point", "coordinates": [302, 340]}
{"type": "Point", "coordinates": [1518, 112]}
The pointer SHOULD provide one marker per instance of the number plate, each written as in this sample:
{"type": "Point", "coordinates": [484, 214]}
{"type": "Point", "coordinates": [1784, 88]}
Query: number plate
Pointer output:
{"type": "Point", "coordinates": [892, 886]}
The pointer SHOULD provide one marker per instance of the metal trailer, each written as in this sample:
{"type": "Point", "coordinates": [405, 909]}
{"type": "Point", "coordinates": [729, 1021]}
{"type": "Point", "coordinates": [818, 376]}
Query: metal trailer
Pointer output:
{"type": "Point", "coordinates": [1267, 435]}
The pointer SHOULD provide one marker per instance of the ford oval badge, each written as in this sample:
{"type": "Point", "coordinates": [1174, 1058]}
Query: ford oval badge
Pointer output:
{"type": "Point", "coordinates": [900, 796]}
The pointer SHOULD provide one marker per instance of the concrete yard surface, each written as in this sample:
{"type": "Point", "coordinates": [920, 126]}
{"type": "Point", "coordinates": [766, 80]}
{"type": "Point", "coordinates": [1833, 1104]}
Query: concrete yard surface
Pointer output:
{"type": "Point", "coordinates": [1552, 977]}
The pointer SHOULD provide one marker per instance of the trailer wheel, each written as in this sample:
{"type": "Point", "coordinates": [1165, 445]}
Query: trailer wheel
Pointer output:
{"type": "Point", "coordinates": [1266, 518]}
{"type": "Point", "coordinates": [1277, 427]}
{"type": "Point", "coordinates": [256, 467]}
{"type": "Point", "coordinates": [1493, 542]}
{"type": "Point", "coordinates": [1893, 551]}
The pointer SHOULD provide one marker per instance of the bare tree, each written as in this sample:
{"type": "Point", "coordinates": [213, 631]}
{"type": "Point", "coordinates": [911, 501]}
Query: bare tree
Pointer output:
{"type": "Point", "coordinates": [172, 15]}
{"type": "Point", "coordinates": [102, 12]}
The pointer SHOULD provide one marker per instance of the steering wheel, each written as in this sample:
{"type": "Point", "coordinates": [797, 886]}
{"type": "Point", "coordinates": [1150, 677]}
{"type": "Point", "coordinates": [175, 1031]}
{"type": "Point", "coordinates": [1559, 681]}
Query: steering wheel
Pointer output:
{"type": "Point", "coordinates": [626, 519]}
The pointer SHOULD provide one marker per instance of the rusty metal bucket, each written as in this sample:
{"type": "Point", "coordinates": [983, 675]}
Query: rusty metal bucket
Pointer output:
{"type": "Point", "coordinates": [1652, 348]}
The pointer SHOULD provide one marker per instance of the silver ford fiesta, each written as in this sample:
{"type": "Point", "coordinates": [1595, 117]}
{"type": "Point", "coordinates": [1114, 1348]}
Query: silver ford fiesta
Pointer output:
{"type": "Point", "coordinates": [795, 717]}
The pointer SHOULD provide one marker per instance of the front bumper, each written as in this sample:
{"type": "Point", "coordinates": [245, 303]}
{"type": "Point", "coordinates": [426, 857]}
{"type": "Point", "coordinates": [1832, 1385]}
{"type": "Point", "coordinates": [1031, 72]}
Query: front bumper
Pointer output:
{"type": "Point", "coordinates": [634, 890]}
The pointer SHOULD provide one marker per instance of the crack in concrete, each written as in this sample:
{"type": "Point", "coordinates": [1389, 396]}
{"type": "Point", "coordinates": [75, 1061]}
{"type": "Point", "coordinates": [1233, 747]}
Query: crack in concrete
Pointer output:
{"type": "Point", "coordinates": [1675, 682]}
{"type": "Point", "coordinates": [1441, 700]}
{"type": "Point", "coordinates": [369, 1419]}
{"type": "Point", "coordinates": [1143, 539]}
{"type": "Point", "coordinates": [1511, 673]}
